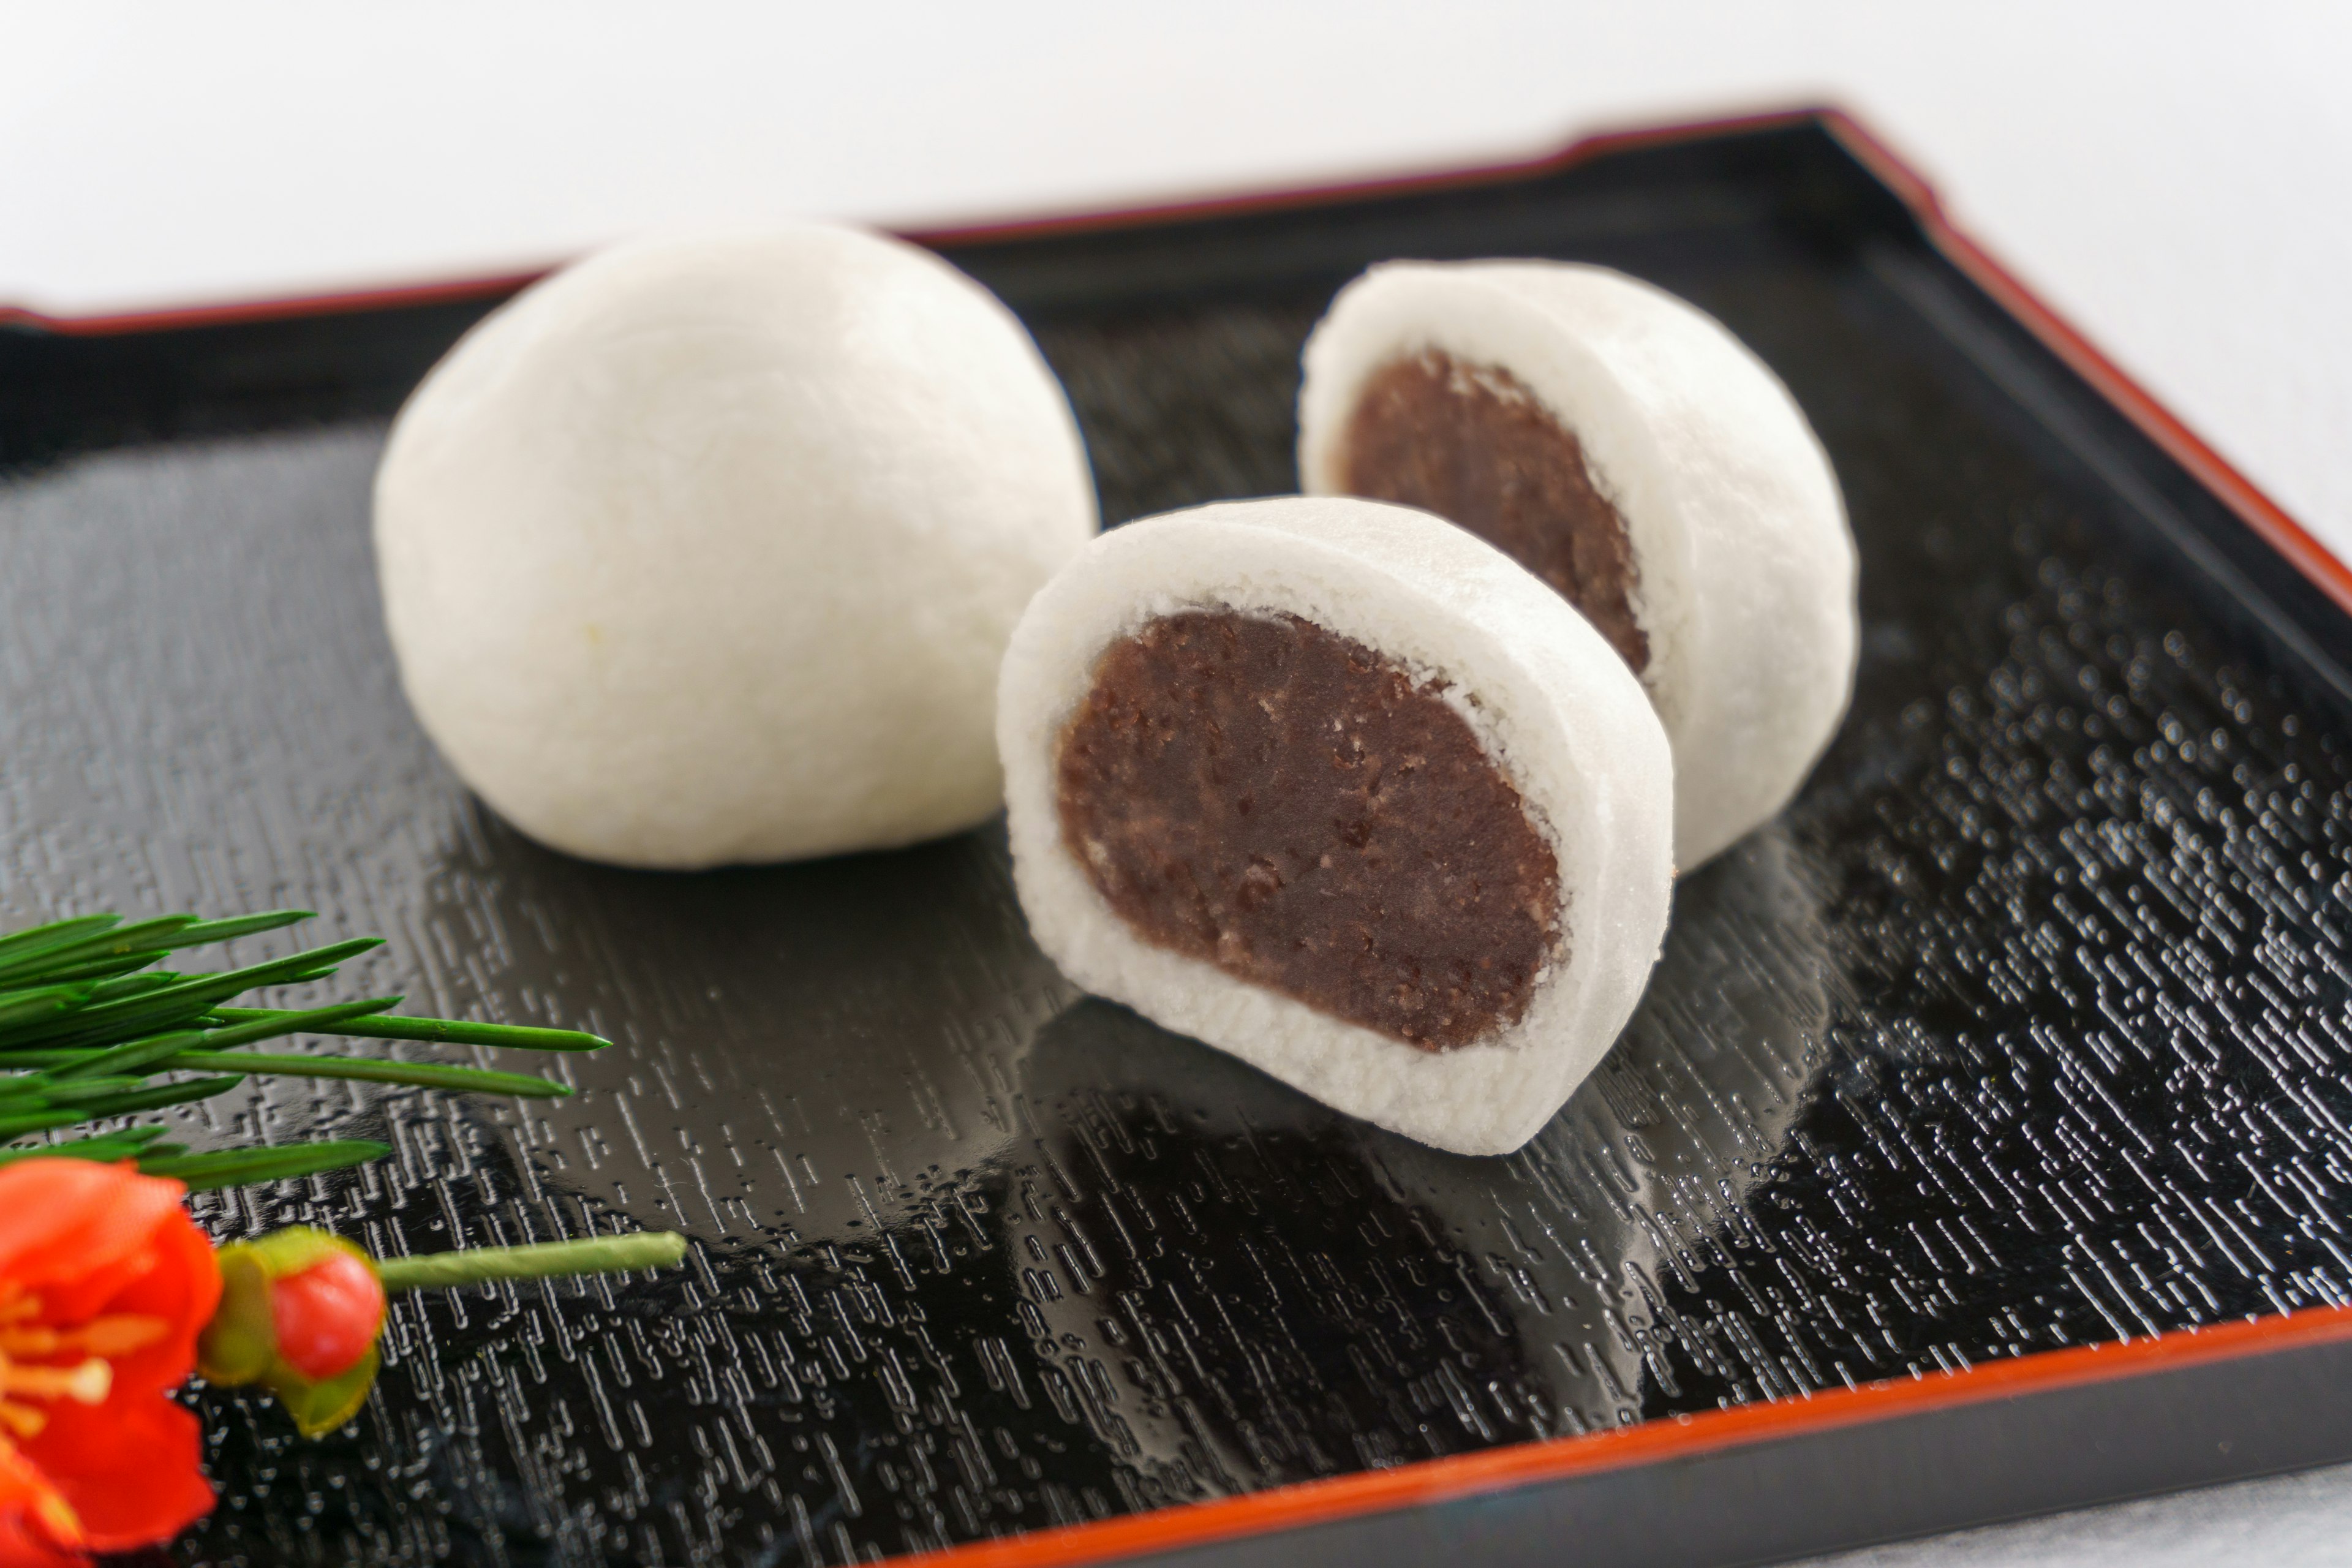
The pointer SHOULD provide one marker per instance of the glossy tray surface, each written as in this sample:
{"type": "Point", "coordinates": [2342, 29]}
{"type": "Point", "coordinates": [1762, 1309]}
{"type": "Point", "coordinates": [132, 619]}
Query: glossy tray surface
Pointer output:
{"type": "Point", "coordinates": [2024, 1029]}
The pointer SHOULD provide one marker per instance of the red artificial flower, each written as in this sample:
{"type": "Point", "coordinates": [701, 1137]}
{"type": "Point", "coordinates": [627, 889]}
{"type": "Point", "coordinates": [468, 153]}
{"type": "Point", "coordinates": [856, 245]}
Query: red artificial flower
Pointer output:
{"type": "Point", "coordinates": [105, 1284]}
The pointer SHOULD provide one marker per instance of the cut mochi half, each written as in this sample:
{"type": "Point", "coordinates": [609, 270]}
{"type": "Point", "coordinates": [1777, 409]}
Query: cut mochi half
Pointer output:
{"type": "Point", "coordinates": [1337, 787]}
{"type": "Point", "coordinates": [1631, 452]}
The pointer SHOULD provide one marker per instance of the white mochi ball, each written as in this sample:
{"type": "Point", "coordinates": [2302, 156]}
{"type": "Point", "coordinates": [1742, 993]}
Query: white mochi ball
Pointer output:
{"type": "Point", "coordinates": [705, 549]}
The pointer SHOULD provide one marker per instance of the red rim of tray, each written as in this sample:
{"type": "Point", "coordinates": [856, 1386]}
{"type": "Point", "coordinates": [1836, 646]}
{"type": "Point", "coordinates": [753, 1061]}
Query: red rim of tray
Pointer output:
{"type": "Point", "coordinates": [1498, 1469]}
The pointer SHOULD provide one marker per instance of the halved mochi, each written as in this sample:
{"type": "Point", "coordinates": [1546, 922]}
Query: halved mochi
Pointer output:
{"type": "Point", "coordinates": [1634, 455]}
{"type": "Point", "coordinates": [1339, 788]}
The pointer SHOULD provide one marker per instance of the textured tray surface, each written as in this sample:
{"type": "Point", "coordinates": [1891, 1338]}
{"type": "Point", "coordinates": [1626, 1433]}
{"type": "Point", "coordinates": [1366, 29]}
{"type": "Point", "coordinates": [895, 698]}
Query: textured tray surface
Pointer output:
{"type": "Point", "coordinates": [2025, 1027]}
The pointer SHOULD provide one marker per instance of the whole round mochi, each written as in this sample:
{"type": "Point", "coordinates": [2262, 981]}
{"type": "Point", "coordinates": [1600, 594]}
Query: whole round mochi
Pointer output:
{"type": "Point", "coordinates": [705, 549]}
{"type": "Point", "coordinates": [1553, 710]}
{"type": "Point", "coordinates": [1745, 567]}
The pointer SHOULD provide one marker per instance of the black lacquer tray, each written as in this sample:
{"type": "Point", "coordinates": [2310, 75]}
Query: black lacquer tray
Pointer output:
{"type": "Point", "coordinates": [1983, 1144]}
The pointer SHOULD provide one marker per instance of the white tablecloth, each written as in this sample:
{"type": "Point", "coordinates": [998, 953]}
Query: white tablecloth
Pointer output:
{"type": "Point", "coordinates": [2176, 178]}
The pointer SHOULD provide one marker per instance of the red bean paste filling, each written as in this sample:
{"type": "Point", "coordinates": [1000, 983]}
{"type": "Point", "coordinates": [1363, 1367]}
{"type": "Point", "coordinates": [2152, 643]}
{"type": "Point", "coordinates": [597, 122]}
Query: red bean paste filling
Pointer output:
{"type": "Point", "coordinates": [1471, 443]}
{"type": "Point", "coordinates": [1287, 804]}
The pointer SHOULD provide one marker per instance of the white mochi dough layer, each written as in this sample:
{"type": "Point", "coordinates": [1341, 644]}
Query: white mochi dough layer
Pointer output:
{"type": "Point", "coordinates": [1552, 705]}
{"type": "Point", "coordinates": [1746, 564]}
{"type": "Point", "coordinates": [705, 550]}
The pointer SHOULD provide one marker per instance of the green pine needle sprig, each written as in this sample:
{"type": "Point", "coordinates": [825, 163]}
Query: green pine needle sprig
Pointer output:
{"type": "Point", "coordinates": [89, 1032]}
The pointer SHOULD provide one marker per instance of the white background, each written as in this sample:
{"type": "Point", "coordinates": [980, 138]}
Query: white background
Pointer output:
{"type": "Point", "coordinates": [2177, 180]}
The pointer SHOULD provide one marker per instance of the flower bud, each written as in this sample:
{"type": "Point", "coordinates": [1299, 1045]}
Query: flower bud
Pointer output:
{"type": "Point", "coordinates": [328, 1316]}
{"type": "Point", "coordinates": [299, 1314]}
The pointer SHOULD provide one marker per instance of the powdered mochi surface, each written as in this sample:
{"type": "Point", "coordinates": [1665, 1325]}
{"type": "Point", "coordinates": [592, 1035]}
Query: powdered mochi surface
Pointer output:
{"type": "Point", "coordinates": [1746, 563]}
{"type": "Point", "coordinates": [705, 549]}
{"type": "Point", "coordinates": [1552, 705]}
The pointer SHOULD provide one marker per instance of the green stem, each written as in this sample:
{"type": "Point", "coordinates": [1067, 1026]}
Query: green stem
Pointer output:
{"type": "Point", "coordinates": [439, 1031]}
{"type": "Point", "coordinates": [17, 1125]}
{"type": "Point", "coordinates": [544, 1260]}
{"type": "Point", "coordinates": [425, 1075]}
{"type": "Point", "coordinates": [242, 1167]}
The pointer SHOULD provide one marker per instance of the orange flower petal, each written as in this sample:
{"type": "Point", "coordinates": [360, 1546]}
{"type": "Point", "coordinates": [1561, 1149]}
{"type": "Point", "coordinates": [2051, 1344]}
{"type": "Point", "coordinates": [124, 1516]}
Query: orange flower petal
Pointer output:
{"type": "Point", "coordinates": [179, 1288]}
{"type": "Point", "coordinates": [128, 1470]}
{"type": "Point", "coordinates": [64, 1222]}
{"type": "Point", "coordinates": [37, 1529]}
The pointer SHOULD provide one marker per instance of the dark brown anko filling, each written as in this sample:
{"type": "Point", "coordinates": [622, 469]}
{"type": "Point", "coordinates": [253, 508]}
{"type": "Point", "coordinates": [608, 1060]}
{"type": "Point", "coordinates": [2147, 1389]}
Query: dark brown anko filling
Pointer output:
{"type": "Point", "coordinates": [1260, 793]}
{"type": "Point", "coordinates": [1471, 443]}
